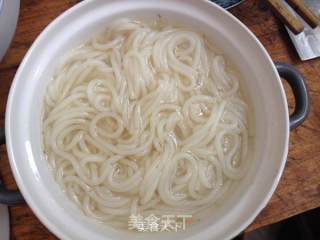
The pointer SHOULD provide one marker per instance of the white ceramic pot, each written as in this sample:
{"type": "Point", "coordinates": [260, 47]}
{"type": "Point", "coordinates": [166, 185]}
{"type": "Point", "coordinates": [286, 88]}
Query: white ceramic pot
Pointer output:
{"type": "Point", "coordinates": [262, 84]}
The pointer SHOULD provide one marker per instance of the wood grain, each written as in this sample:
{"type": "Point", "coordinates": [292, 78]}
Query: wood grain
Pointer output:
{"type": "Point", "coordinates": [299, 189]}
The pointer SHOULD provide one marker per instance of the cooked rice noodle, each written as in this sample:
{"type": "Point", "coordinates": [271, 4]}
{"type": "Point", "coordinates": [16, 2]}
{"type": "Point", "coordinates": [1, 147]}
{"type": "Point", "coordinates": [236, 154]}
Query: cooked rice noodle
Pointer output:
{"type": "Point", "coordinates": [145, 119]}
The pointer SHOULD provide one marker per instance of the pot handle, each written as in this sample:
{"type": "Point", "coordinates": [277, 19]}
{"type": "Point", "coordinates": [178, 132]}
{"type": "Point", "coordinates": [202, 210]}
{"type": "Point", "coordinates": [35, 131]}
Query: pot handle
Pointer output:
{"type": "Point", "coordinates": [8, 197]}
{"type": "Point", "coordinates": [300, 92]}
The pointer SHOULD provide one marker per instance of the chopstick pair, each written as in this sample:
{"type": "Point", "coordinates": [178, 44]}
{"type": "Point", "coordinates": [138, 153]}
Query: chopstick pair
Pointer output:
{"type": "Point", "coordinates": [293, 23]}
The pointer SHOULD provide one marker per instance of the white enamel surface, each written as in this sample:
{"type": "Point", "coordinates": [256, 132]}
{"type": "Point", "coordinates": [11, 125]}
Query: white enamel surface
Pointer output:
{"type": "Point", "coordinates": [261, 82]}
{"type": "Point", "coordinates": [9, 11]}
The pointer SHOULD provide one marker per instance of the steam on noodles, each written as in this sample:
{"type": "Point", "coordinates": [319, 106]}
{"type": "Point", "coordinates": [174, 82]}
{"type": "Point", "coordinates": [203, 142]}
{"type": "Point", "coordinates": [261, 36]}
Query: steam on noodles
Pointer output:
{"type": "Point", "coordinates": [144, 119]}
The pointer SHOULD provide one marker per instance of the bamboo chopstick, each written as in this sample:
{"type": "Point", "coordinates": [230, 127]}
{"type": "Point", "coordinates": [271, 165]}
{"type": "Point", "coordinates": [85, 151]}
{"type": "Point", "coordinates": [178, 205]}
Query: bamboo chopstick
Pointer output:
{"type": "Point", "coordinates": [286, 16]}
{"type": "Point", "coordinates": [309, 16]}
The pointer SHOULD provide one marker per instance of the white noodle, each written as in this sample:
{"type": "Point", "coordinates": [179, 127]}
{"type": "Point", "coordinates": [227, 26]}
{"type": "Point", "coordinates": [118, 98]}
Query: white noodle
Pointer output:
{"type": "Point", "coordinates": [144, 120]}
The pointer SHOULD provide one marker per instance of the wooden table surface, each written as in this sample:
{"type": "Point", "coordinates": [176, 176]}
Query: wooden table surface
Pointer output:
{"type": "Point", "coordinates": [299, 188]}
